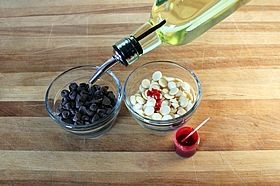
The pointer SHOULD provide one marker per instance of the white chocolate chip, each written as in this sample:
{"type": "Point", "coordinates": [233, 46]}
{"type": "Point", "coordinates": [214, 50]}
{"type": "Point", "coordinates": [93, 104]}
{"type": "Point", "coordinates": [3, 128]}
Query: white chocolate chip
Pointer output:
{"type": "Point", "coordinates": [170, 78]}
{"type": "Point", "coordinates": [165, 90]}
{"type": "Point", "coordinates": [173, 110]}
{"type": "Point", "coordinates": [179, 84]}
{"type": "Point", "coordinates": [167, 96]}
{"type": "Point", "coordinates": [163, 82]}
{"type": "Point", "coordinates": [152, 81]}
{"type": "Point", "coordinates": [140, 100]}
{"type": "Point", "coordinates": [179, 93]}
{"type": "Point", "coordinates": [140, 112]}
{"type": "Point", "coordinates": [156, 116]}
{"type": "Point", "coordinates": [179, 80]}
{"type": "Point", "coordinates": [189, 106]}
{"type": "Point", "coordinates": [165, 102]}
{"type": "Point", "coordinates": [175, 105]}
{"type": "Point", "coordinates": [176, 115]}
{"type": "Point", "coordinates": [173, 91]}
{"type": "Point", "coordinates": [155, 86]}
{"type": "Point", "coordinates": [141, 88]}
{"type": "Point", "coordinates": [184, 104]}
{"type": "Point", "coordinates": [145, 83]}
{"type": "Point", "coordinates": [171, 85]}
{"type": "Point", "coordinates": [181, 111]}
{"type": "Point", "coordinates": [165, 109]}
{"type": "Point", "coordinates": [144, 96]}
{"type": "Point", "coordinates": [138, 106]}
{"type": "Point", "coordinates": [144, 106]}
{"type": "Point", "coordinates": [183, 101]}
{"type": "Point", "coordinates": [132, 100]}
{"type": "Point", "coordinates": [149, 110]}
{"type": "Point", "coordinates": [167, 117]}
{"type": "Point", "coordinates": [156, 75]}
{"type": "Point", "coordinates": [146, 93]}
{"type": "Point", "coordinates": [189, 95]}
{"type": "Point", "coordinates": [151, 102]}
{"type": "Point", "coordinates": [186, 86]}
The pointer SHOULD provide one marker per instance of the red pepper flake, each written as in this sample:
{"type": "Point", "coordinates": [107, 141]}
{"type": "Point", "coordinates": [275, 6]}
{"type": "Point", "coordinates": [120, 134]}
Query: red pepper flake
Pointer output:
{"type": "Point", "coordinates": [156, 94]}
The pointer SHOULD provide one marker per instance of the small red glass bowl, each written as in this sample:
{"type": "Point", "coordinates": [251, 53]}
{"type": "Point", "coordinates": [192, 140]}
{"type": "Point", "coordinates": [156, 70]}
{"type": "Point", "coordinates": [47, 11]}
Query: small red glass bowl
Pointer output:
{"type": "Point", "coordinates": [189, 148]}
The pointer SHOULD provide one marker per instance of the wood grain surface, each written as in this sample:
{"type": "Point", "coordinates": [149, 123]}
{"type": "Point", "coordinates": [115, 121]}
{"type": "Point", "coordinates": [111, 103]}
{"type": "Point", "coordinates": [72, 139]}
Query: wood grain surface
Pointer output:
{"type": "Point", "coordinates": [238, 62]}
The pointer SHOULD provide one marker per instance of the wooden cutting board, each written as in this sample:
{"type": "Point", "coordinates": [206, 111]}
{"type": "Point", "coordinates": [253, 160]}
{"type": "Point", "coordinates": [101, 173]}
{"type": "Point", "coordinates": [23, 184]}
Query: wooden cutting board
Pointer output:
{"type": "Point", "coordinates": [238, 62]}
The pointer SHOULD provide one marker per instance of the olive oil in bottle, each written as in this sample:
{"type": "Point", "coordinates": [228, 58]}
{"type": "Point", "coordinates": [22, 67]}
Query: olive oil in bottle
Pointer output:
{"type": "Point", "coordinates": [185, 20]}
{"type": "Point", "coordinates": [175, 22]}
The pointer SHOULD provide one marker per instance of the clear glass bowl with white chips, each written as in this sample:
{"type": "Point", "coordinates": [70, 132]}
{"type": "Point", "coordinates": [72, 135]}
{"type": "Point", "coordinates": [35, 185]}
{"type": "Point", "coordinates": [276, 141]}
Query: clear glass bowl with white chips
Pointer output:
{"type": "Point", "coordinates": [162, 95]}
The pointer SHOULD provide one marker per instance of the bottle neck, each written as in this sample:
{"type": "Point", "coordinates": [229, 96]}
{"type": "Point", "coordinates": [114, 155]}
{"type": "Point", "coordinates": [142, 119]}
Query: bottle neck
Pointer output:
{"type": "Point", "coordinates": [150, 42]}
{"type": "Point", "coordinates": [143, 40]}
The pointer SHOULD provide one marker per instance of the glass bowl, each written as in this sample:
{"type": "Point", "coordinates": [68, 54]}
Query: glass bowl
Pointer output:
{"type": "Point", "coordinates": [167, 68]}
{"type": "Point", "coordinates": [82, 74]}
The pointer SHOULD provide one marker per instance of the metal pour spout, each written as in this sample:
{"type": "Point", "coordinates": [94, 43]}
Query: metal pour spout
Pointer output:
{"type": "Point", "coordinates": [103, 68]}
{"type": "Point", "coordinates": [127, 51]}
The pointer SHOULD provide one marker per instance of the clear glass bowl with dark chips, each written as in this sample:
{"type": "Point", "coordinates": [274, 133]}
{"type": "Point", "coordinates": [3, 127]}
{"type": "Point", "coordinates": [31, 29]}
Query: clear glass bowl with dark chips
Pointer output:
{"type": "Point", "coordinates": [83, 109]}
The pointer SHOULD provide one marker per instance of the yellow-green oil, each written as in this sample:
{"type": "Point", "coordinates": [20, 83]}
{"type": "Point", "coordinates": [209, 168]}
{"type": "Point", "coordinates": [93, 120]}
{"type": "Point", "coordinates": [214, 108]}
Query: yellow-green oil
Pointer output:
{"type": "Point", "coordinates": [185, 20]}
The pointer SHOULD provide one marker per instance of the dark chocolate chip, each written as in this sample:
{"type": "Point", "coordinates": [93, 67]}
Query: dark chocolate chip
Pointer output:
{"type": "Point", "coordinates": [113, 102]}
{"type": "Point", "coordinates": [101, 111]}
{"type": "Point", "coordinates": [77, 116]}
{"type": "Point", "coordinates": [98, 101]}
{"type": "Point", "coordinates": [78, 122]}
{"type": "Point", "coordinates": [72, 95]}
{"type": "Point", "coordinates": [84, 92]}
{"type": "Point", "coordinates": [111, 95]}
{"type": "Point", "coordinates": [79, 89]}
{"type": "Point", "coordinates": [104, 89]}
{"type": "Point", "coordinates": [106, 101]}
{"type": "Point", "coordinates": [65, 114]}
{"type": "Point", "coordinates": [64, 101]}
{"type": "Point", "coordinates": [59, 109]}
{"type": "Point", "coordinates": [93, 107]}
{"type": "Point", "coordinates": [67, 120]}
{"type": "Point", "coordinates": [64, 93]}
{"type": "Point", "coordinates": [73, 86]}
{"type": "Point", "coordinates": [82, 109]}
{"type": "Point", "coordinates": [89, 113]}
{"type": "Point", "coordinates": [91, 90]}
{"type": "Point", "coordinates": [95, 118]}
{"type": "Point", "coordinates": [72, 111]}
{"type": "Point", "coordinates": [96, 87]}
{"type": "Point", "coordinates": [78, 104]}
{"type": "Point", "coordinates": [82, 97]}
{"type": "Point", "coordinates": [108, 111]}
{"type": "Point", "coordinates": [67, 106]}
{"type": "Point", "coordinates": [85, 118]}
{"type": "Point", "coordinates": [72, 104]}
{"type": "Point", "coordinates": [87, 104]}
{"type": "Point", "coordinates": [87, 123]}
{"type": "Point", "coordinates": [98, 94]}
{"type": "Point", "coordinates": [109, 106]}
{"type": "Point", "coordinates": [83, 85]}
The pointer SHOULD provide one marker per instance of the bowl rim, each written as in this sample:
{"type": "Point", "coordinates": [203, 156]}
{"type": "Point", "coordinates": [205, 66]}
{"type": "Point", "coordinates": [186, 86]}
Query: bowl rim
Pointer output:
{"type": "Point", "coordinates": [169, 122]}
{"type": "Point", "coordinates": [95, 124]}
